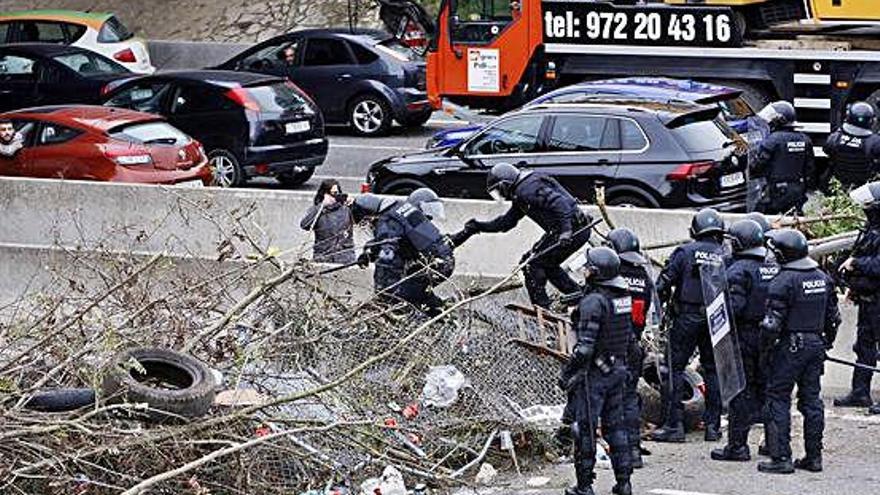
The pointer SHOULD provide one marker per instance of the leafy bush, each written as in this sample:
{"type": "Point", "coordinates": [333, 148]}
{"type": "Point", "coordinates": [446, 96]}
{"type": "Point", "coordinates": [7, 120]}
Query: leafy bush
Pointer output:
{"type": "Point", "coordinates": [848, 215]}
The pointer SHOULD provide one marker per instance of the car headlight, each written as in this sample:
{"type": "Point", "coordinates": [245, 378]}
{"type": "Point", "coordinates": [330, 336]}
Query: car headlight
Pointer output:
{"type": "Point", "coordinates": [134, 159]}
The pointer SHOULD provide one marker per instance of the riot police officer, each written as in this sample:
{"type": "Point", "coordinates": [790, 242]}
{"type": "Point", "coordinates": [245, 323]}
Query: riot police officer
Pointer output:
{"type": "Point", "coordinates": [785, 159]}
{"type": "Point", "coordinates": [410, 253]}
{"type": "Point", "coordinates": [595, 375]}
{"type": "Point", "coordinates": [690, 330]}
{"type": "Point", "coordinates": [854, 149]}
{"type": "Point", "coordinates": [748, 279]}
{"type": "Point", "coordinates": [799, 325]}
{"type": "Point", "coordinates": [761, 220]}
{"type": "Point", "coordinates": [555, 210]}
{"type": "Point", "coordinates": [861, 274]}
{"type": "Point", "coordinates": [633, 268]}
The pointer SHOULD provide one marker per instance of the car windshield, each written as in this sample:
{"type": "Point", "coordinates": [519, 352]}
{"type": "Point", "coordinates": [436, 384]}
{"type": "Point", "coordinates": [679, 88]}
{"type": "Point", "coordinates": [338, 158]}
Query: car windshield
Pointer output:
{"type": "Point", "coordinates": [397, 50]}
{"type": "Point", "coordinates": [151, 133]}
{"type": "Point", "coordinates": [89, 64]}
{"type": "Point", "coordinates": [705, 135]}
{"type": "Point", "coordinates": [735, 109]}
{"type": "Point", "coordinates": [277, 97]}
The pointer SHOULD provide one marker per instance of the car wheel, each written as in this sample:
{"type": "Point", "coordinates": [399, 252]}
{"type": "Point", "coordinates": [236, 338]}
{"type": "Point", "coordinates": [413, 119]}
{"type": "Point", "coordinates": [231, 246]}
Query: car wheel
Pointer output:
{"type": "Point", "coordinates": [402, 188]}
{"type": "Point", "coordinates": [164, 379]}
{"type": "Point", "coordinates": [629, 200]}
{"type": "Point", "coordinates": [226, 168]}
{"type": "Point", "coordinates": [418, 120]}
{"type": "Point", "coordinates": [295, 179]}
{"type": "Point", "coordinates": [370, 115]}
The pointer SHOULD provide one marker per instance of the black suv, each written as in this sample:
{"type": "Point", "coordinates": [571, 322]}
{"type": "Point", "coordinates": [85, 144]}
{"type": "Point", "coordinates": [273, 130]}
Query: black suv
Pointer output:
{"type": "Point", "coordinates": [363, 78]}
{"type": "Point", "coordinates": [647, 154]}
{"type": "Point", "coordinates": [250, 124]}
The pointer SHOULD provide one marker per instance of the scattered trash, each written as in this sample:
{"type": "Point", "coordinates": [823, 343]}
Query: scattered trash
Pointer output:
{"type": "Point", "coordinates": [442, 385]}
{"type": "Point", "coordinates": [421, 489]}
{"type": "Point", "coordinates": [487, 474]}
{"type": "Point", "coordinates": [537, 481]}
{"type": "Point", "coordinates": [545, 416]}
{"type": "Point", "coordinates": [506, 440]}
{"type": "Point", "coordinates": [391, 483]}
{"type": "Point", "coordinates": [239, 398]}
{"type": "Point", "coordinates": [411, 411]}
{"type": "Point", "coordinates": [602, 459]}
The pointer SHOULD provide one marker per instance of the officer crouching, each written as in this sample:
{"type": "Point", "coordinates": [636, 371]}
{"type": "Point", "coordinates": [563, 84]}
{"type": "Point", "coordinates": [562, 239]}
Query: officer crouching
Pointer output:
{"type": "Point", "coordinates": [595, 375]}
{"type": "Point", "coordinates": [800, 324]}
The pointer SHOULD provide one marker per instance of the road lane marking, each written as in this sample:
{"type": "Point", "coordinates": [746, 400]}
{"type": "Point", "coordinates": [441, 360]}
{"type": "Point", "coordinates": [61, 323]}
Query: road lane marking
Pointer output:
{"type": "Point", "coordinates": [660, 491]}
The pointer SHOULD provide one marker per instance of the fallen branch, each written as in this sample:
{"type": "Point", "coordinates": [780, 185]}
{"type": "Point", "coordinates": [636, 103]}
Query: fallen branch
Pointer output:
{"type": "Point", "coordinates": [479, 458]}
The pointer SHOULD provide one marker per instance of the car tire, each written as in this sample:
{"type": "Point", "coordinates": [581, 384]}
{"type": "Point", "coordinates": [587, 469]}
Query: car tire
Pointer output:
{"type": "Point", "coordinates": [370, 115]}
{"type": "Point", "coordinates": [296, 179]}
{"type": "Point", "coordinates": [226, 168]}
{"type": "Point", "coordinates": [172, 382]}
{"type": "Point", "coordinates": [629, 200]}
{"type": "Point", "coordinates": [61, 399]}
{"type": "Point", "coordinates": [418, 120]}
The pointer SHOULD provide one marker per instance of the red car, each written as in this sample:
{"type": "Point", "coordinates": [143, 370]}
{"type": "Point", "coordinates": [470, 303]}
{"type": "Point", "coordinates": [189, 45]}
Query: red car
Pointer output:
{"type": "Point", "coordinates": [104, 144]}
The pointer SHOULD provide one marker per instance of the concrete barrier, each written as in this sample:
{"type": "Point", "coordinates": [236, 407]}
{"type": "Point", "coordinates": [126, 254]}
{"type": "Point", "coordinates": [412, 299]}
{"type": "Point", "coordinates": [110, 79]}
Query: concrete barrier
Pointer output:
{"type": "Point", "coordinates": [42, 218]}
{"type": "Point", "coordinates": [172, 55]}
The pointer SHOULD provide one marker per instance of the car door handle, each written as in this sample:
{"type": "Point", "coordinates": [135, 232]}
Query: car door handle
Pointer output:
{"type": "Point", "coordinates": [343, 77]}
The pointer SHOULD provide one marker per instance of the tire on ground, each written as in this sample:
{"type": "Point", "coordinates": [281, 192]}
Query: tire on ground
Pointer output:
{"type": "Point", "coordinates": [652, 403]}
{"type": "Point", "coordinates": [169, 381]}
{"type": "Point", "coordinates": [61, 399]}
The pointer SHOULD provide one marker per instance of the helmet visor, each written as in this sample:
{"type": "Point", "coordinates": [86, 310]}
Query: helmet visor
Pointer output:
{"type": "Point", "coordinates": [434, 210]}
{"type": "Point", "coordinates": [769, 114]}
{"type": "Point", "coordinates": [863, 195]}
{"type": "Point", "coordinates": [496, 195]}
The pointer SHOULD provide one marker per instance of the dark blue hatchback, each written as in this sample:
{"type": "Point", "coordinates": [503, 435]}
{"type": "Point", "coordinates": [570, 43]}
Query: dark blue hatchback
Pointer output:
{"type": "Point", "coordinates": [361, 78]}
{"type": "Point", "coordinates": [734, 108]}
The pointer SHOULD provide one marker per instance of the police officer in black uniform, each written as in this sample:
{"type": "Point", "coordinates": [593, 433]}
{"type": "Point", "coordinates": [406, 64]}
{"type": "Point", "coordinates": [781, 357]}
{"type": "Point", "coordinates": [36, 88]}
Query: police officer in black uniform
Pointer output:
{"type": "Point", "coordinates": [633, 268]}
{"type": "Point", "coordinates": [548, 204]}
{"type": "Point", "coordinates": [410, 253]}
{"type": "Point", "coordinates": [785, 158]}
{"type": "Point", "coordinates": [748, 279]}
{"type": "Point", "coordinates": [595, 375]}
{"type": "Point", "coordinates": [690, 330]}
{"type": "Point", "coordinates": [861, 274]}
{"type": "Point", "coordinates": [799, 325]}
{"type": "Point", "coordinates": [854, 149]}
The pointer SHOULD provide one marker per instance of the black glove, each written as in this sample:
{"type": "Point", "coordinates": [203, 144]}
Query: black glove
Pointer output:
{"type": "Point", "coordinates": [564, 239]}
{"type": "Point", "coordinates": [582, 354]}
{"type": "Point", "coordinates": [473, 226]}
{"type": "Point", "coordinates": [363, 260]}
{"type": "Point", "coordinates": [829, 343]}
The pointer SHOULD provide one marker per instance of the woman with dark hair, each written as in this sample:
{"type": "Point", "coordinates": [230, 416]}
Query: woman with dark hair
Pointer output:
{"type": "Point", "coordinates": [330, 219]}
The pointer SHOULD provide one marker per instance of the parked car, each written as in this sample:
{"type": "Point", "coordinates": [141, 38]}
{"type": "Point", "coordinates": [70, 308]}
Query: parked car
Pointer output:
{"type": "Point", "coordinates": [734, 107]}
{"type": "Point", "coordinates": [40, 74]}
{"type": "Point", "coordinates": [81, 142]}
{"type": "Point", "coordinates": [645, 154]}
{"type": "Point", "coordinates": [99, 32]}
{"type": "Point", "coordinates": [251, 124]}
{"type": "Point", "coordinates": [361, 78]}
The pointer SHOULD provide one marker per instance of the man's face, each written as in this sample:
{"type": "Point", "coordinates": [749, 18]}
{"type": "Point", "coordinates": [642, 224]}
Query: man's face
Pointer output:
{"type": "Point", "coordinates": [289, 56]}
{"type": "Point", "coordinates": [7, 133]}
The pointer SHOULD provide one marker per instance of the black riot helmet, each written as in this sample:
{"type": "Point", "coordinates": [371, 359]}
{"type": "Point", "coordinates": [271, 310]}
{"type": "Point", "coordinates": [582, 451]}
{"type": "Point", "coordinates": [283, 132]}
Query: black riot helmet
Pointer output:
{"type": "Point", "coordinates": [747, 238]}
{"type": "Point", "coordinates": [604, 267]}
{"type": "Point", "coordinates": [427, 200]}
{"type": "Point", "coordinates": [868, 197]}
{"type": "Point", "coordinates": [370, 205]}
{"type": "Point", "coordinates": [790, 247]}
{"type": "Point", "coordinates": [626, 244]}
{"type": "Point", "coordinates": [860, 117]}
{"type": "Point", "coordinates": [779, 114]}
{"type": "Point", "coordinates": [706, 222]}
{"type": "Point", "coordinates": [502, 177]}
{"type": "Point", "coordinates": [761, 220]}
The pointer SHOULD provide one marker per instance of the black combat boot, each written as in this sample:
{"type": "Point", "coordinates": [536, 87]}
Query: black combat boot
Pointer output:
{"type": "Point", "coordinates": [668, 433]}
{"type": "Point", "coordinates": [875, 409]}
{"type": "Point", "coordinates": [781, 465]}
{"type": "Point", "coordinates": [739, 453]}
{"type": "Point", "coordinates": [853, 400]}
{"type": "Point", "coordinates": [622, 487]}
{"type": "Point", "coordinates": [713, 433]}
{"type": "Point", "coordinates": [584, 484]}
{"type": "Point", "coordinates": [811, 463]}
{"type": "Point", "coordinates": [636, 457]}
{"type": "Point", "coordinates": [763, 450]}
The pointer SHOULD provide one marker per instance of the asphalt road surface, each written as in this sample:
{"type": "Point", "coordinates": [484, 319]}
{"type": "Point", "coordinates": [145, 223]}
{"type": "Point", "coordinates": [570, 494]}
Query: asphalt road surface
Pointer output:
{"type": "Point", "coordinates": [350, 156]}
{"type": "Point", "coordinates": [851, 460]}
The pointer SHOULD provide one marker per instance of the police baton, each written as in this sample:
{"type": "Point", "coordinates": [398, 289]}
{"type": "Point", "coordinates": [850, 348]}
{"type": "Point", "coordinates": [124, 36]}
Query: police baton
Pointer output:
{"type": "Point", "coordinates": [858, 366]}
{"type": "Point", "coordinates": [353, 263]}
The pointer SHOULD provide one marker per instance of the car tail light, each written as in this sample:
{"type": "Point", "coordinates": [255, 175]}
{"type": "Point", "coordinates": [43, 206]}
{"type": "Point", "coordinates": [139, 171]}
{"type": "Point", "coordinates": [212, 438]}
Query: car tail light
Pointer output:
{"type": "Point", "coordinates": [106, 89]}
{"type": "Point", "coordinates": [125, 56]}
{"type": "Point", "coordinates": [365, 187]}
{"type": "Point", "coordinates": [688, 171]}
{"type": "Point", "coordinates": [243, 98]}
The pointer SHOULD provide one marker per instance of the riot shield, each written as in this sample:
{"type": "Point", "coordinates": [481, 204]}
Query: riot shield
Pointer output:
{"type": "Point", "coordinates": [725, 345]}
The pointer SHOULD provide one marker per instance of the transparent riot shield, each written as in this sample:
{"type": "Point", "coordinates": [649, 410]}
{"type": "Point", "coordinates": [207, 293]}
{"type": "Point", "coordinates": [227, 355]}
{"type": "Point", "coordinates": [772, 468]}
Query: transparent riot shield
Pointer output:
{"type": "Point", "coordinates": [728, 360]}
{"type": "Point", "coordinates": [755, 185]}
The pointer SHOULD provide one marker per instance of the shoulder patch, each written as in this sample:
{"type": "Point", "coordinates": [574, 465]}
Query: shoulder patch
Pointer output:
{"type": "Point", "coordinates": [622, 305]}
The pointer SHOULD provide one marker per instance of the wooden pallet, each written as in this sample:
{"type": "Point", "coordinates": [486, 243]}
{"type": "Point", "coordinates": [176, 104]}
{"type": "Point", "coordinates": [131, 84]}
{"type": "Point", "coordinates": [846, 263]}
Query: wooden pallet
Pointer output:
{"type": "Point", "coordinates": [554, 330]}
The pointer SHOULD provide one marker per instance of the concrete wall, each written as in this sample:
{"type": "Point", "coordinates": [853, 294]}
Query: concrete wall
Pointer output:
{"type": "Point", "coordinates": [40, 217]}
{"type": "Point", "coordinates": [172, 55]}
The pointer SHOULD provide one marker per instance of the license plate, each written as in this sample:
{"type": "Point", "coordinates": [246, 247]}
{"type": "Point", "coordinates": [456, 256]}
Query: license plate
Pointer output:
{"type": "Point", "coordinates": [731, 180]}
{"type": "Point", "coordinates": [297, 127]}
{"type": "Point", "coordinates": [190, 184]}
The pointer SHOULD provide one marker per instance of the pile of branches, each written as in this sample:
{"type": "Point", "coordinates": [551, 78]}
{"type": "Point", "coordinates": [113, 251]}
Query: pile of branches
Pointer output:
{"type": "Point", "coordinates": [334, 369]}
